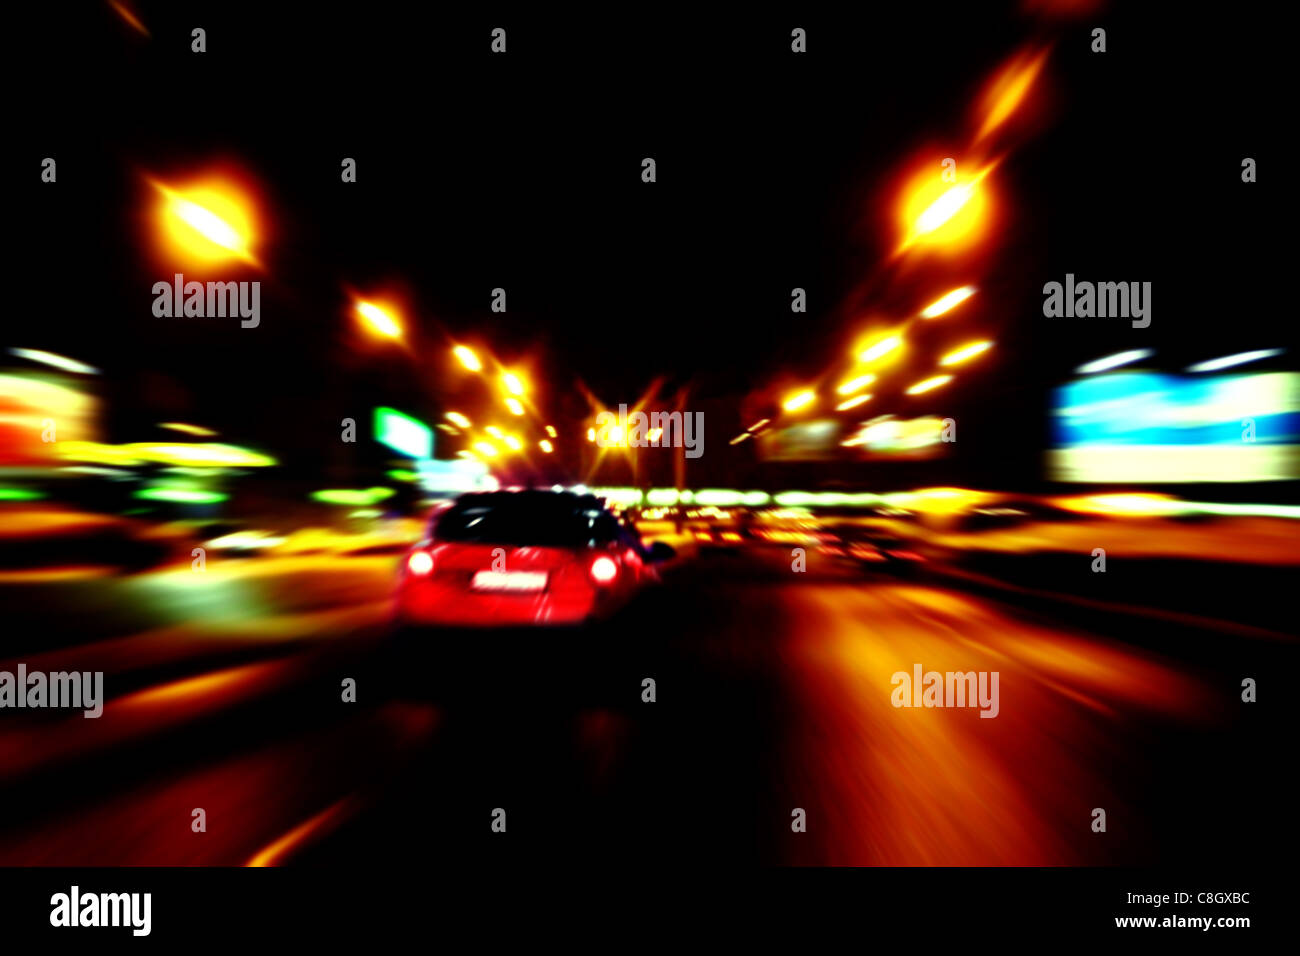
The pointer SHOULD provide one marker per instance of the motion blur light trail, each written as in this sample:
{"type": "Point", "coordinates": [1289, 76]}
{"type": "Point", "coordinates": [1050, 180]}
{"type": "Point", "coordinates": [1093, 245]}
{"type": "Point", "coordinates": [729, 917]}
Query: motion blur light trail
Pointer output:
{"type": "Point", "coordinates": [942, 787]}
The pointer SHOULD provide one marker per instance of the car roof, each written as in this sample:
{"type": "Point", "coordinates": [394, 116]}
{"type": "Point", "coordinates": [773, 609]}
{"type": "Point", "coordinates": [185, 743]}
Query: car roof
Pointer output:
{"type": "Point", "coordinates": [539, 497]}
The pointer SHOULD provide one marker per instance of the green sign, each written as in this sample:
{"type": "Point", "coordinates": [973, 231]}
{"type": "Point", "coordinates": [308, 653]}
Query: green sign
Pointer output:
{"type": "Point", "coordinates": [402, 433]}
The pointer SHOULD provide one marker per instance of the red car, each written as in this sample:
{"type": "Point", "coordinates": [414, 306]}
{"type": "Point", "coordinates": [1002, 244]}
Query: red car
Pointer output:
{"type": "Point", "coordinates": [510, 558]}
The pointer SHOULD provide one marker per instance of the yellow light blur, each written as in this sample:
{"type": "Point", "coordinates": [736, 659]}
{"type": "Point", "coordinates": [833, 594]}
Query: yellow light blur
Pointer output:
{"type": "Point", "coordinates": [177, 454]}
{"type": "Point", "coordinates": [550, 430]}
{"type": "Point", "coordinates": [799, 400]}
{"type": "Point", "coordinates": [379, 319]}
{"type": "Point", "coordinates": [187, 429]}
{"type": "Point", "coordinates": [654, 434]}
{"type": "Point", "coordinates": [467, 358]}
{"type": "Point", "coordinates": [514, 443]}
{"type": "Point", "coordinates": [758, 424]}
{"type": "Point", "coordinates": [880, 349]}
{"type": "Point", "coordinates": [852, 403]}
{"type": "Point", "coordinates": [944, 208]}
{"type": "Point", "coordinates": [512, 383]}
{"type": "Point", "coordinates": [514, 406]}
{"type": "Point", "coordinates": [941, 501]}
{"type": "Point", "coordinates": [466, 453]}
{"type": "Point", "coordinates": [1124, 503]}
{"type": "Point", "coordinates": [486, 449]}
{"type": "Point", "coordinates": [947, 302]}
{"type": "Point", "coordinates": [1008, 90]}
{"type": "Point", "coordinates": [856, 384]}
{"type": "Point", "coordinates": [456, 418]}
{"type": "Point", "coordinates": [494, 431]}
{"type": "Point", "coordinates": [591, 434]}
{"type": "Point", "coordinates": [957, 356]}
{"type": "Point", "coordinates": [928, 384]}
{"type": "Point", "coordinates": [615, 435]}
{"type": "Point", "coordinates": [209, 223]}
{"type": "Point", "coordinates": [739, 438]}
{"type": "Point", "coordinates": [546, 446]}
{"type": "Point", "coordinates": [935, 211]}
{"type": "Point", "coordinates": [126, 14]}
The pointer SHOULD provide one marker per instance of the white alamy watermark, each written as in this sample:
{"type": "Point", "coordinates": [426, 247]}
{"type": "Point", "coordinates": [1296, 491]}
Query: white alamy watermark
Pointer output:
{"type": "Point", "coordinates": [78, 690]}
{"type": "Point", "coordinates": [653, 429]}
{"type": "Point", "coordinates": [75, 908]}
{"type": "Point", "coordinates": [1098, 300]}
{"type": "Point", "coordinates": [212, 300]}
{"type": "Point", "coordinates": [923, 688]}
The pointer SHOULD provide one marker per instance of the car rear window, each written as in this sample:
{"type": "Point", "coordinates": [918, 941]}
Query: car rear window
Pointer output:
{"type": "Point", "coordinates": [524, 523]}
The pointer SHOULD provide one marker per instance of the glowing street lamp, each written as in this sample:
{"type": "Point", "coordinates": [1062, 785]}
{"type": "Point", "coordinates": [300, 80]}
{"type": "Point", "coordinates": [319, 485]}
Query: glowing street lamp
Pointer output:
{"type": "Point", "coordinates": [853, 402]}
{"type": "Point", "coordinates": [926, 385]}
{"type": "Point", "coordinates": [799, 400]}
{"type": "Point", "coordinates": [512, 383]}
{"type": "Point", "coordinates": [965, 353]}
{"type": "Point", "coordinates": [465, 355]}
{"type": "Point", "coordinates": [210, 223]}
{"type": "Point", "coordinates": [880, 348]}
{"type": "Point", "coordinates": [855, 384]}
{"type": "Point", "coordinates": [1009, 90]}
{"type": "Point", "coordinates": [939, 212]}
{"type": "Point", "coordinates": [456, 418]}
{"type": "Point", "coordinates": [515, 407]}
{"type": "Point", "coordinates": [546, 446]}
{"type": "Point", "coordinates": [947, 302]}
{"type": "Point", "coordinates": [379, 320]}
{"type": "Point", "coordinates": [486, 449]}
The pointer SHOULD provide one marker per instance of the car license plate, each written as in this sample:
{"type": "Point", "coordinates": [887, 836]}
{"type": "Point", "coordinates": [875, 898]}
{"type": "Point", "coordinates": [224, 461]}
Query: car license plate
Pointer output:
{"type": "Point", "coordinates": [509, 581]}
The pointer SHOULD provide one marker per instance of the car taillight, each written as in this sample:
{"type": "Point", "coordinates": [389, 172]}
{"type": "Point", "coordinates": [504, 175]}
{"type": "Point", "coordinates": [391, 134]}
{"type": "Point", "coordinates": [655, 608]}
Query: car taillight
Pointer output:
{"type": "Point", "coordinates": [420, 563]}
{"type": "Point", "coordinates": [603, 570]}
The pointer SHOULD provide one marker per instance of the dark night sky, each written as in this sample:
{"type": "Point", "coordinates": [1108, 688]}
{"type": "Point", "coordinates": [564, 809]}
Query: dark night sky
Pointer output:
{"type": "Point", "coordinates": [522, 171]}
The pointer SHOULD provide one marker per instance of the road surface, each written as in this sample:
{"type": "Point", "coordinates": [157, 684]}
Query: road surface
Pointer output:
{"type": "Point", "coordinates": [773, 705]}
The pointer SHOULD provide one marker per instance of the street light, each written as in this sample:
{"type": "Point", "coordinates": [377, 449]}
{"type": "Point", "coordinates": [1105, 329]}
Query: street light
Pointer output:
{"type": "Point", "coordinates": [928, 384]}
{"type": "Point", "coordinates": [1008, 90]}
{"type": "Point", "coordinates": [486, 449]}
{"type": "Point", "coordinates": [957, 356]}
{"type": "Point", "coordinates": [880, 348]}
{"type": "Point", "coordinates": [467, 358]}
{"type": "Point", "coordinates": [939, 212]}
{"type": "Point", "coordinates": [799, 400]}
{"type": "Point", "coordinates": [512, 383]}
{"type": "Point", "coordinates": [209, 223]}
{"type": "Point", "coordinates": [1228, 361]}
{"type": "Point", "coordinates": [947, 302]}
{"type": "Point", "coordinates": [852, 403]}
{"type": "Point", "coordinates": [379, 320]}
{"type": "Point", "coordinates": [546, 446]}
{"type": "Point", "coordinates": [514, 406]}
{"type": "Point", "coordinates": [1114, 361]}
{"type": "Point", "coordinates": [456, 418]}
{"type": "Point", "coordinates": [855, 384]}
{"type": "Point", "coordinates": [61, 362]}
